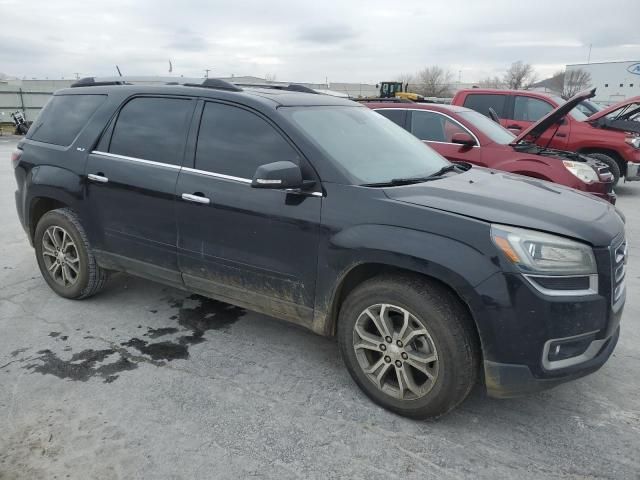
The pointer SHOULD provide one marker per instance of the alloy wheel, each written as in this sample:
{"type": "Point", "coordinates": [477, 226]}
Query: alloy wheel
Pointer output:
{"type": "Point", "coordinates": [60, 256]}
{"type": "Point", "coordinates": [395, 351]}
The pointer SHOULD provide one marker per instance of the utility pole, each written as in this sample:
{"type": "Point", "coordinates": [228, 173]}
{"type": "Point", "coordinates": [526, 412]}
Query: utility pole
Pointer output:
{"type": "Point", "coordinates": [206, 73]}
{"type": "Point", "coordinates": [77, 74]}
{"type": "Point", "coordinates": [589, 56]}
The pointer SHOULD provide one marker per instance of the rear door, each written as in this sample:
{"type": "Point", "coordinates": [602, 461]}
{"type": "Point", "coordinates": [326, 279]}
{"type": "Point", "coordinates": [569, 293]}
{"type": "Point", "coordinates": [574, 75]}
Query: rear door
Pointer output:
{"type": "Point", "coordinates": [437, 129]}
{"type": "Point", "coordinates": [250, 246]}
{"type": "Point", "coordinates": [131, 183]}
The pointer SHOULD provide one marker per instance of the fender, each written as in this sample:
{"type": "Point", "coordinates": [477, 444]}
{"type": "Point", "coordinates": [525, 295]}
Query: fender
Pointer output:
{"type": "Point", "coordinates": [458, 265]}
{"type": "Point", "coordinates": [50, 182]}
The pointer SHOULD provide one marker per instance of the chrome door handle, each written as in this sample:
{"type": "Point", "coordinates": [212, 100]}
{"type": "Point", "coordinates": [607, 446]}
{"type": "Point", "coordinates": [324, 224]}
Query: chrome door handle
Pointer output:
{"type": "Point", "coordinates": [195, 198]}
{"type": "Point", "coordinates": [97, 178]}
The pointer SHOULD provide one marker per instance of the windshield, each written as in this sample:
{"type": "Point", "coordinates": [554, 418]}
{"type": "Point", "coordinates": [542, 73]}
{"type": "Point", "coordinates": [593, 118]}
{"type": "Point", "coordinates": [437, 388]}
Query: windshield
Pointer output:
{"type": "Point", "coordinates": [367, 146]}
{"type": "Point", "coordinates": [496, 132]}
{"type": "Point", "coordinates": [575, 113]}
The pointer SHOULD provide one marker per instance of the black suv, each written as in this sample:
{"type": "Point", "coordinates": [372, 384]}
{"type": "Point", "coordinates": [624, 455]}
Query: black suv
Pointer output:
{"type": "Point", "coordinates": [319, 211]}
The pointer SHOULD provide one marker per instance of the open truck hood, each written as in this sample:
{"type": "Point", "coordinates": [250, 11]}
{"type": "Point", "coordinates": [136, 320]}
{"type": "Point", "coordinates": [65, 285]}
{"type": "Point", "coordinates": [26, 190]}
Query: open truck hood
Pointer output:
{"type": "Point", "coordinates": [620, 116]}
{"type": "Point", "coordinates": [553, 117]}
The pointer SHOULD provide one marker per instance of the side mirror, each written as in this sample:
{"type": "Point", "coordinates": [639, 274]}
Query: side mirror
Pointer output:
{"type": "Point", "coordinates": [463, 138]}
{"type": "Point", "coordinates": [278, 175]}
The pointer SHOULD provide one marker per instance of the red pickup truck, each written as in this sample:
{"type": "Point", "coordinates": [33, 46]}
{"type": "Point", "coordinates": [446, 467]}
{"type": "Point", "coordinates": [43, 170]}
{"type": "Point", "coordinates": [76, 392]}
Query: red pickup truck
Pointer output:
{"type": "Point", "coordinates": [518, 110]}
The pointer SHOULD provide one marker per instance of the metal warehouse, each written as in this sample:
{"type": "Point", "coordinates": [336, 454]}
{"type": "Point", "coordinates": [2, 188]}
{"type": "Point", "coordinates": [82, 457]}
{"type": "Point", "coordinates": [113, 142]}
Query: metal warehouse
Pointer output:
{"type": "Point", "coordinates": [615, 81]}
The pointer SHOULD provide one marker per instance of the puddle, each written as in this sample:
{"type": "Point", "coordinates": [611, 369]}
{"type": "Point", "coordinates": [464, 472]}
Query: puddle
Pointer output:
{"type": "Point", "coordinates": [83, 365]}
{"type": "Point", "coordinates": [160, 350]}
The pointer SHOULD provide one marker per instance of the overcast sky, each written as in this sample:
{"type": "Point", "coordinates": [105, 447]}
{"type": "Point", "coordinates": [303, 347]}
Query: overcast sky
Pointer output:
{"type": "Point", "coordinates": [309, 41]}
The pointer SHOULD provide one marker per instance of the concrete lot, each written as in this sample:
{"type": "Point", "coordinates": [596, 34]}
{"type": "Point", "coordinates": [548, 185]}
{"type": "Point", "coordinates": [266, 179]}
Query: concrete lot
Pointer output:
{"type": "Point", "coordinates": [104, 388]}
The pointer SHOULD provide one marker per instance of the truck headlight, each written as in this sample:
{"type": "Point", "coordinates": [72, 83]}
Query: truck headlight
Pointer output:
{"type": "Point", "coordinates": [581, 170]}
{"type": "Point", "coordinates": [633, 141]}
{"type": "Point", "coordinates": [540, 253]}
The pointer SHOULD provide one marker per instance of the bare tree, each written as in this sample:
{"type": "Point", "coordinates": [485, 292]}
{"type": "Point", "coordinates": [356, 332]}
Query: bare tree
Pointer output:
{"type": "Point", "coordinates": [270, 77]}
{"type": "Point", "coordinates": [519, 75]}
{"type": "Point", "coordinates": [556, 82]}
{"type": "Point", "coordinates": [406, 79]}
{"type": "Point", "coordinates": [574, 82]}
{"type": "Point", "coordinates": [434, 81]}
{"type": "Point", "coordinates": [492, 82]}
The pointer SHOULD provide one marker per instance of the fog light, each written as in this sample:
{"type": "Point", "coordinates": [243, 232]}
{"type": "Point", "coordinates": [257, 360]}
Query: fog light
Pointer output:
{"type": "Point", "coordinates": [562, 349]}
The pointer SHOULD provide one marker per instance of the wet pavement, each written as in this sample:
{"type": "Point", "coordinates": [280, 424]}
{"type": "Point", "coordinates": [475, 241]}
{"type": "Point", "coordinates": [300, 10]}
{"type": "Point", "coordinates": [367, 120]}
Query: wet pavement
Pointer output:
{"type": "Point", "coordinates": [145, 381]}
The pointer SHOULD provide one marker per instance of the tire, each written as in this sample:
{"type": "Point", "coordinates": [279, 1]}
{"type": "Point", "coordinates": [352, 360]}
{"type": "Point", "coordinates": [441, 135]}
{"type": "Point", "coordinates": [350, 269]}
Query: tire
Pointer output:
{"type": "Point", "coordinates": [610, 162]}
{"type": "Point", "coordinates": [62, 228]}
{"type": "Point", "coordinates": [451, 336]}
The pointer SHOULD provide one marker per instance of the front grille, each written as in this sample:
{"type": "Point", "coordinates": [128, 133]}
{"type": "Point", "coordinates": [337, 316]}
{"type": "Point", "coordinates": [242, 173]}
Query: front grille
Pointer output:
{"type": "Point", "coordinates": [619, 271]}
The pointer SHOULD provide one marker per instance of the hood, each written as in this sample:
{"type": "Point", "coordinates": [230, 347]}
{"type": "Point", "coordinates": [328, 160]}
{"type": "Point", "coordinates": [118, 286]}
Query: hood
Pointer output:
{"type": "Point", "coordinates": [554, 116]}
{"type": "Point", "coordinates": [614, 107]}
{"type": "Point", "coordinates": [504, 198]}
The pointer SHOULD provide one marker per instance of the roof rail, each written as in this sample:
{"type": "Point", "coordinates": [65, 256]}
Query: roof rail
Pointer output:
{"type": "Point", "coordinates": [291, 87]}
{"type": "Point", "coordinates": [92, 82]}
{"type": "Point", "coordinates": [188, 82]}
{"type": "Point", "coordinates": [215, 83]}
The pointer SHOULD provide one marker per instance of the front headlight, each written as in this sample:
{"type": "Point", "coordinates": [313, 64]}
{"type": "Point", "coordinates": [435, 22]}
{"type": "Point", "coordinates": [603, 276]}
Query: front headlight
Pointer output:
{"type": "Point", "coordinates": [543, 254]}
{"type": "Point", "coordinates": [581, 170]}
{"type": "Point", "coordinates": [633, 141]}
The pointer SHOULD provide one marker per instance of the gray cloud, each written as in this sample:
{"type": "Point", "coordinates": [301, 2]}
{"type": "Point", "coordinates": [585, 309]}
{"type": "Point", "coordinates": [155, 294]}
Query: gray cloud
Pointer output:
{"type": "Point", "coordinates": [364, 41]}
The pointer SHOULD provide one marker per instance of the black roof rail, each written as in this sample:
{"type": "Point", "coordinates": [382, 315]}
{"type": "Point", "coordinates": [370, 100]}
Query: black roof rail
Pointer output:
{"type": "Point", "coordinates": [291, 87]}
{"type": "Point", "coordinates": [91, 82]}
{"type": "Point", "coordinates": [215, 83]}
{"type": "Point", "coordinates": [187, 82]}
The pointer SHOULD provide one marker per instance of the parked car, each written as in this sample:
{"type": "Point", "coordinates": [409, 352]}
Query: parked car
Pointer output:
{"type": "Point", "coordinates": [519, 109]}
{"type": "Point", "coordinates": [462, 134]}
{"type": "Point", "coordinates": [319, 211]}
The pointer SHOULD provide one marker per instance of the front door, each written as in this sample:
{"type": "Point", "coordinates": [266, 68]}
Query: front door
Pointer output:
{"type": "Point", "coordinates": [249, 246]}
{"type": "Point", "coordinates": [131, 179]}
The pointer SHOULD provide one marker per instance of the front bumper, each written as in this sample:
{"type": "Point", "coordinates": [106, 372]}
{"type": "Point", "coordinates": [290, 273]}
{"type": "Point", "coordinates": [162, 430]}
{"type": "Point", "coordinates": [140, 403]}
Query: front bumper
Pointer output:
{"type": "Point", "coordinates": [504, 380]}
{"type": "Point", "coordinates": [633, 172]}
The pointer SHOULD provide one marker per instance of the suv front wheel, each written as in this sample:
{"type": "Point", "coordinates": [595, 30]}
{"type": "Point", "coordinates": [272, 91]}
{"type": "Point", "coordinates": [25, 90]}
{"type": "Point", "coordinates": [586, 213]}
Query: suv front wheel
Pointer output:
{"type": "Point", "coordinates": [409, 344]}
{"type": "Point", "coordinates": [65, 257]}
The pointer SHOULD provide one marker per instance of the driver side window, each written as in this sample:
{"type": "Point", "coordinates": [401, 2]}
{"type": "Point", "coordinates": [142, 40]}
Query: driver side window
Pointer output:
{"type": "Point", "coordinates": [233, 141]}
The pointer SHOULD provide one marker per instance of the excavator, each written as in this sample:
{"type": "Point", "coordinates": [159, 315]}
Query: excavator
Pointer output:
{"type": "Point", "coordinates": [397, 90]}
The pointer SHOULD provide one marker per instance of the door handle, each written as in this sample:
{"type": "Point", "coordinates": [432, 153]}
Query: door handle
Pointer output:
{"type": "Point", "coordinates": [515, 127]}
{"type": "Point", "coordinates": [196, 197]}
{"type": "Point", "coordinates": [99, 177]}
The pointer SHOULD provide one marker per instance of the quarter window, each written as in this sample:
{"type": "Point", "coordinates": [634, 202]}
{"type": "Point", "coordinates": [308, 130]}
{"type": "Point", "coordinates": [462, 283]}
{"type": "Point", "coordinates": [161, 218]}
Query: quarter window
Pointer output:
{"type": "Point", "coordinates": [482, 102]}
{"type": "Point", "coordinates": [233, 141]}
{"type": "Point", "coordinates": [396, 116]}
{"type": "Point", "coordinates": [152, 128]}
{"type": "Point", "coordinates": [529, 109]}
{"type": "Point", "coordinates": [434, 127]}
{"type": "Point", "coordinates": [63, 117]}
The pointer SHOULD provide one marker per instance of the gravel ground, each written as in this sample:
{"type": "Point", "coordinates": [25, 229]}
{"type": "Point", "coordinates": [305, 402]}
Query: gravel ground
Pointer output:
{"type": "Point", "coordinates": [144, 381]}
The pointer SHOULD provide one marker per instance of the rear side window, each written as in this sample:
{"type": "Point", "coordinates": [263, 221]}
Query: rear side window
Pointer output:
{"type": "Point", "coordinates": [63, 117]}
{"type": "Point", "coordinates": [481, 102]}
{"type": "Point", "coordinates": [152, 128]}
{"type": "Point", "coordinates": [396, 116]}
{"type": "Point", "coordinates": [529, 109]}
{"type": "Point", "coordinates": [233, 141]}
{"type": "Point", "coordinates": [434, 127]}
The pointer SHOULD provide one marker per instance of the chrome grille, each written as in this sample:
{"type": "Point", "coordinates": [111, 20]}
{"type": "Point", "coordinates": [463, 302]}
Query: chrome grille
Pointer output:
{"type": "Point", "coordinates": [619, 267]}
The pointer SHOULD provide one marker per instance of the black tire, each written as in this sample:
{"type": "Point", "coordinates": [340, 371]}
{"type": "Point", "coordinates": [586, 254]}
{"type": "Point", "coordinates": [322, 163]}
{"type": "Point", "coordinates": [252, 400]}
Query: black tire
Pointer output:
{"type": "Point", "coordinates": [611, 163]}
{"type": "Point", "coordinates": [449, 326]}
{"type": "Point", "coordinates": [90, 278]}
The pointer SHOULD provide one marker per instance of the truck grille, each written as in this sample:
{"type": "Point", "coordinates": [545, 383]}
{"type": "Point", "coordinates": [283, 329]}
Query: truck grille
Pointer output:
{"type": "Point", "coordinates": [619, 267]}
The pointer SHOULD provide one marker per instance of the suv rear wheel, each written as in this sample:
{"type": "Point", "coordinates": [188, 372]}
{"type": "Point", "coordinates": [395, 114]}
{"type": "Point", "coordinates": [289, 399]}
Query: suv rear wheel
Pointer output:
{"type": "Point", "coordinates": [409, 344]}
{"type": "Point", "coordinates": [65, 257]}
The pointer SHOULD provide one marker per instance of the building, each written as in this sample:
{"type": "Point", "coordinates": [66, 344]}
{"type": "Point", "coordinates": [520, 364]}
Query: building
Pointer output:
{"type": "Point", "coordinates": [614, 81]}
{"type": "Point", "coordinates": [29, 96]}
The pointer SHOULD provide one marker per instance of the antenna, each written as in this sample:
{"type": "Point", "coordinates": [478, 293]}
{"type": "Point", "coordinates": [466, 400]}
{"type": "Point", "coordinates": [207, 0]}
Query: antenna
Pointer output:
{"type": "Point", "coordinates": [206, 72]}
{"type": "Point", "coordinates": [118, 69]}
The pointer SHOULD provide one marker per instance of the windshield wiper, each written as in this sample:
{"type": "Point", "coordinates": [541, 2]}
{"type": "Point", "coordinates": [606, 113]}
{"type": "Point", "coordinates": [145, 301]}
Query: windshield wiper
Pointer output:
{"type": "Point", "coordinates": [410, 180]}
